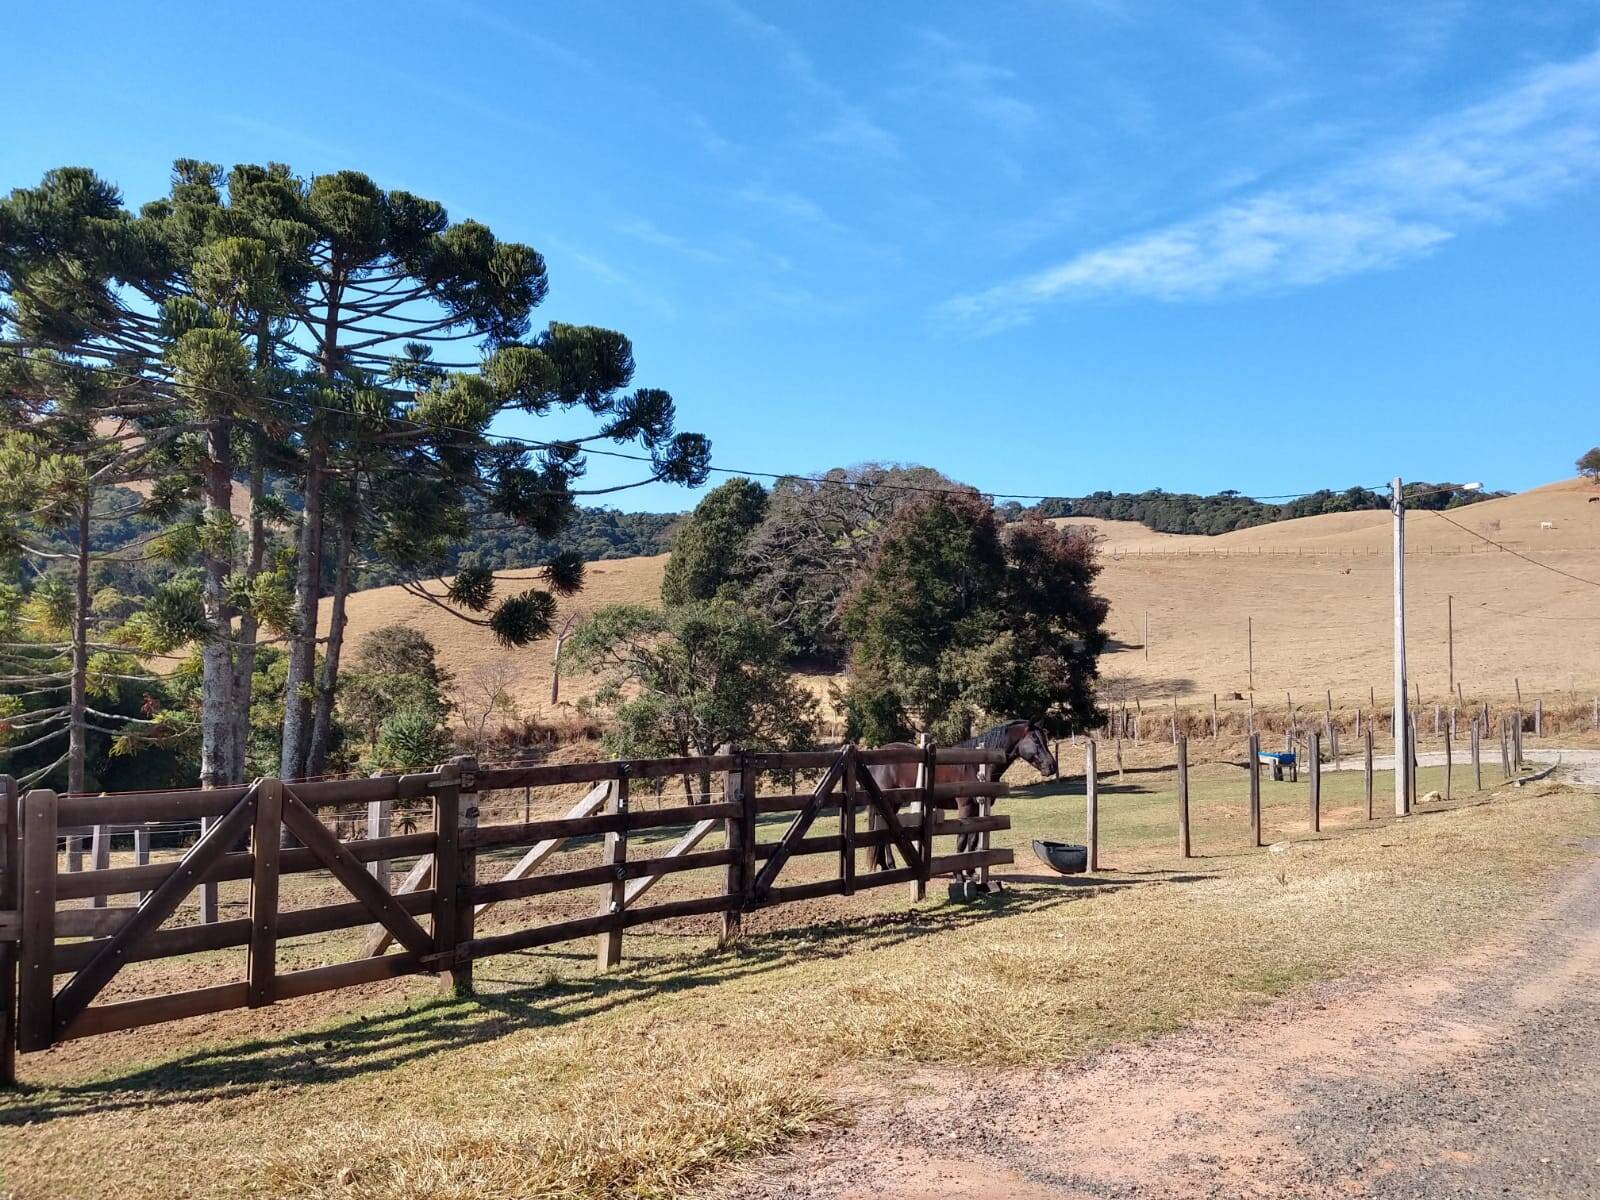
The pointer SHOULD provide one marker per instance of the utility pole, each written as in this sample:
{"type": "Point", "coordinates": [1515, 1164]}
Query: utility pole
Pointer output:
{"type": "Point", "coordinates": [1450, 636]}
{"type": "Point", "coordinates": [1402, 756]}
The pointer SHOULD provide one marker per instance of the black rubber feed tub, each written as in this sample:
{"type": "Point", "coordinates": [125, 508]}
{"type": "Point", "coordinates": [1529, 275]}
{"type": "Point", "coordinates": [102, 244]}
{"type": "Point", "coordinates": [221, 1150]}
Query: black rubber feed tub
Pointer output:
{"type": "Point", "coordinates": [1062, 857]}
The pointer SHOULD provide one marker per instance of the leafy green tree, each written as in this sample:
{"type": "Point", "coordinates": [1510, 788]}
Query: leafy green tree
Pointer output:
{"type": "Point", "coordinates": [687, 679]}
{"type": "Point", "coordinates": [394, 699]}
{"type": "Point", "coordinates": [1589, 464]}
{"type": "Point", "coordinates": [710, 546]}
{"type": "Point", "coordinates": [955, 623]}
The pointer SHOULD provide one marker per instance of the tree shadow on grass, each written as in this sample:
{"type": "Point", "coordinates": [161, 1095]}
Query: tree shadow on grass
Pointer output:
{"type": "Point", "coordinates": [375, 1042]}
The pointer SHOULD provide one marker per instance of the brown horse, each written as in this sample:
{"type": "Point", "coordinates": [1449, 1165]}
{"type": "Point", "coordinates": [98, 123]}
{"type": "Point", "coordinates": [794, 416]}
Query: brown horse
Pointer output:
{"type": "Point", "coordinates": [1019, 739]}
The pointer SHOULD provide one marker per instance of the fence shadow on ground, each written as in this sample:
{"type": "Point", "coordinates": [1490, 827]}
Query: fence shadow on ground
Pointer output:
{"type": "Point", "coordinates": [375, 1042]}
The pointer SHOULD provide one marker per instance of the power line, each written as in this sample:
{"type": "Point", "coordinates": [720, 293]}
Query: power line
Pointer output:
{"type": "Point", "coordinates": [586, 448]}
{"type": "Point", "coordinates": [1514, 553]}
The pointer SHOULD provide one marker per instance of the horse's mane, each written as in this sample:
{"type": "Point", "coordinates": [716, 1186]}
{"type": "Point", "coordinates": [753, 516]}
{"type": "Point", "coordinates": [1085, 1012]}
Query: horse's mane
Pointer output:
{"type": "Point", "coordinates": [989, 739]}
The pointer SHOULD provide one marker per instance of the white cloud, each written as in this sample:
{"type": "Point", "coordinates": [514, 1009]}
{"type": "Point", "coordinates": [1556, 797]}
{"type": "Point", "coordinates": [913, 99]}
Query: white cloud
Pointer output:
{"type": "Point", "coordinates": [792, 206]}
{"type": "Point", "coordinates": [1477, 165]}
{"type": "Point", "coordinates": [644, 230]}
{"type": "Point", "coordinates": [947, 66]}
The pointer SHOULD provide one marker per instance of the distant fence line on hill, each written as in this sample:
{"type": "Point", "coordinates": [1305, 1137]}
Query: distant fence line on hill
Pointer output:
{"type": "Point", "coordinates": [1121, 552]}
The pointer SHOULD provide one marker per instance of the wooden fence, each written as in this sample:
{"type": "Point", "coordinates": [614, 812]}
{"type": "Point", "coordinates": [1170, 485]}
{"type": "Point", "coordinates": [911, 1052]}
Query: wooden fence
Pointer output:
{"type": "Point", "coordinates": [57, 923]}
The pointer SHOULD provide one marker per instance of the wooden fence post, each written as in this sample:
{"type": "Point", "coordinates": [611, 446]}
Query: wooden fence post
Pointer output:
{"type": "Point", "coordinates": [208, 890]}
{"type": "Point", "coordinates": [100, 858]}
{"type": "Point", "coordinates": [1477, 756]}
{"type": "Point", "coordinates": [36, 986]}
{"type": "Point", "coordinates": [1416, 764]}
{"type": "Point", "coordinates": [1505, 748]}
{"type": "Point", "coordinates": [379, 822]}
{"type": "Point", "coordinates": [265, 838]}
{"type": "Point", "coordinates": [1333, 748]}
{"type": "Point", "coordinates": [1538, 716]}
{"type": "Point", "coordinates": [739, 833]}
{"type": "Point", "coordinates": [1314, 790]}
{"type": "Point", "coordinates": [1253, 752]}
{"type": "Point", "coordinates": [446, 860]}
{"type": "Point", "coordinates": [1214, 717]}
{"type": "Point", "coordinates": [1183, 796]}
{"type": "Point", "coordinates": [1367, 769]}
{"type": "Point", "coordinates": [614, 895]}
{"type": "Point", "coordinates": [10, 891]}
{"type": "Point", "coordinates": [847, 820]}
{"type": "Point", "coordinates": [1091, 792]}
{"type": "Point", "coordinates": [141, 851]}
{"type": "Point", "coordinates": [466, 875]}
{"type": "Point", "coordinates": [1449, 767]}
{"type": "Point", "coordinates": [930, 813]}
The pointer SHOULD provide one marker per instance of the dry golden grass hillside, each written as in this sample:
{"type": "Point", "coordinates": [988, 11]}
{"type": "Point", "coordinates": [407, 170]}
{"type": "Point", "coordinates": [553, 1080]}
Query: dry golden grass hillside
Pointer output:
{"type": "Point", "coordinates": [1316, 589]}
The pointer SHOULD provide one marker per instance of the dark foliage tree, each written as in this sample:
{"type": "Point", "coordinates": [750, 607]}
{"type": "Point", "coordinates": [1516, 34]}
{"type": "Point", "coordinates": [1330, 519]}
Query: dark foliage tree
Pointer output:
{"type": "Point", "coordinates": [710, 548]}
{"type": "Point", "coordinates": [1589, 464]}
{"type": "Point", "coordinates": [954, 623]}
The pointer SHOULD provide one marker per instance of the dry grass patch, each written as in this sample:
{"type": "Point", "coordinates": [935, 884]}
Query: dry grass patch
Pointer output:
{"type": "Point", "coordinates": [639, 1083]}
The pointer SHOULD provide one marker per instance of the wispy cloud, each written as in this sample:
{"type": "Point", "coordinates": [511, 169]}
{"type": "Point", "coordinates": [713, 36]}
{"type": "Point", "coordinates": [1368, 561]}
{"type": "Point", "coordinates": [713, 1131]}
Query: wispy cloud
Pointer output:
{"type": "Point", "coordinates": [851, 127]}
{"type": "Point", "coordinates": [794, 207]}
{"type": "Point", "coordinates": [644, 230]}
{"type": "Point", "coordinates": [953, 68]}
{"type": "Point", "coordinates": [1477, 165]}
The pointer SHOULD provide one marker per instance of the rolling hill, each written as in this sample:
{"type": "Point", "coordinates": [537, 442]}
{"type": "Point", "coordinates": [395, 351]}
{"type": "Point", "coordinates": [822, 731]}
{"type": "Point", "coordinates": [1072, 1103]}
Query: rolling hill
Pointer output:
{"type": "Point", "coordinates": [1316, 590]}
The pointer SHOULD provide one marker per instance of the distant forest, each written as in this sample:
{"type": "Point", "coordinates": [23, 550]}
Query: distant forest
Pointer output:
{"type": "Point", "coordinates": [1182, 512]}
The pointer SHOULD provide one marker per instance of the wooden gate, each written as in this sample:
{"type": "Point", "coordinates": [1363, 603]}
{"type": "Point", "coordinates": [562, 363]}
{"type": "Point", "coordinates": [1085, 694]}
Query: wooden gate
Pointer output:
{"type": "Point", "coordinates": [63, 943]}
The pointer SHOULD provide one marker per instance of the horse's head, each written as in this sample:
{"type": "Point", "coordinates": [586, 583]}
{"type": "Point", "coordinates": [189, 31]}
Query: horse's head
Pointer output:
{"type": "Point", "coordinates": [1034, 749]}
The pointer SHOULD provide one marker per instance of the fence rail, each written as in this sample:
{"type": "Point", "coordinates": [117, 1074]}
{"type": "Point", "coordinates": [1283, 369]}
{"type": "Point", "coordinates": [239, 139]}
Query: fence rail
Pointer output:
{"type": "Point", "coordinates": [271, 829]}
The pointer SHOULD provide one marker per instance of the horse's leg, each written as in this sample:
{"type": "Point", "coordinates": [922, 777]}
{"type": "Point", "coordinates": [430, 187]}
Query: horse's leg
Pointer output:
{"type": "Point", "coordinates": [966, 809]}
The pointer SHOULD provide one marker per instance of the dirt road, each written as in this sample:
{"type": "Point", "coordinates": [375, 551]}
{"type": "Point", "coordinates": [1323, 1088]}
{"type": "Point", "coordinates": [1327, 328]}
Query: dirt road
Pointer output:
{"type": "Point", "coordinates": [1475, 1079]}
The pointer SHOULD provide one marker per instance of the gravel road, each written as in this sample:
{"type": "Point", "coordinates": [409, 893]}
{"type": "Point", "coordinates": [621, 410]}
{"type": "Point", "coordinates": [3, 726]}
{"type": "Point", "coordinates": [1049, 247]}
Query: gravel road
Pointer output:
{"type": "Point", "coordinates": [1476, 1079]}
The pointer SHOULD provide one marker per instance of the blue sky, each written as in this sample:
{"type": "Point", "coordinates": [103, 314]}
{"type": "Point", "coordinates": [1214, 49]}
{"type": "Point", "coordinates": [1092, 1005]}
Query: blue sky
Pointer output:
{"type": "Point", "coordinates": [1048, 247]}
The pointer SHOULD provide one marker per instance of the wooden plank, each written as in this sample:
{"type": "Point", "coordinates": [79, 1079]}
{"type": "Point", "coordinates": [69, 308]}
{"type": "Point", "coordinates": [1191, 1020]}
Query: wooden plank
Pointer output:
{"type": "Point", "coordinates": [134, 808]}
{"type": "Point", "coordinates": [347, 869]}
{"type": "Point", "coordinates": [521, 833]}
{"type": "Point", "coordinates": [614, 895]}
{"type": "Point", "coordinates": [555, 774]}
{"type": "Point", "coordinates": [972, 860]}
{"type": "Point", "coordinates": [928, 815]}
{"type": "Point", "coordinates": [797, 828]}
{"type": "Point", "coordinates": [92, 922]}
{"type": "Point", "coordinates": [581, 927]}
{"type": "Point", "coordinates": [87, 983]}
{"type": "Point", "coordinates": [223, 935]}
{"type": "Point", "coordinates": [639, 872]}
{"type": "Point", "coordinates": [380, 815]}
{"type": "Point", "coordinates": [1183, 796]}
{"type": "Point", "coordinates": [308, 982]}
{"type": "Point", "coordinates": [959, 756]}
{"type": "Point", "coordinates": [261, 962]}
{"type": "Point", "coordinates": [644, 873]}
{"type": "Point", "coordinates": [127, 880]}
{"type": "Point", "coordinates": [153, 1010]}
{"type": "Point", "coordinates": [971, 789]}
{"type": "Point", "coordinates": [592, 802]}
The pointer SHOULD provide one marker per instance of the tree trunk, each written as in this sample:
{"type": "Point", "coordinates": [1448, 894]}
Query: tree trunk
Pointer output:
{"type": "Point", "coordinates": [303, 641]}
{"type": "Point", "coordinates": [322, 724]}
{"type": "Point", "coordinates": [78, 697]}
{"type": "Point", "coordinates": [216, 661]}
{"type": "Point", "coordinates": [244, 659]}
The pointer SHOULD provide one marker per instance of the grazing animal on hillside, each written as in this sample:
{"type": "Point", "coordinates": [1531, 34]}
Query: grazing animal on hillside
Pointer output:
{"type": "Point", "coordinates": [1019, 739]}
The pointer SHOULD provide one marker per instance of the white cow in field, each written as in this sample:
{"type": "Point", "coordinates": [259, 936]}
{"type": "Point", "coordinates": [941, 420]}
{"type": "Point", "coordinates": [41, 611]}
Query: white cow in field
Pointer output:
{"type": "Point", "coordinates": [1547, 524]}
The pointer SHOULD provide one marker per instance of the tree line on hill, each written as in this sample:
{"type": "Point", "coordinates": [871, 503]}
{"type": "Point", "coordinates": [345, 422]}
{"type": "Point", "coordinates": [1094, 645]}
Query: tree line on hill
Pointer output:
{"type": "Point", "coordinates": [329, 352]}
{"type": "Point", "coordinates": [1223, 512]}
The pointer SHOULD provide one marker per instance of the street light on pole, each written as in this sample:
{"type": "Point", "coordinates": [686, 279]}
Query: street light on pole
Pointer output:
{"type": "Point", "coordinates": [1403, 766]}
